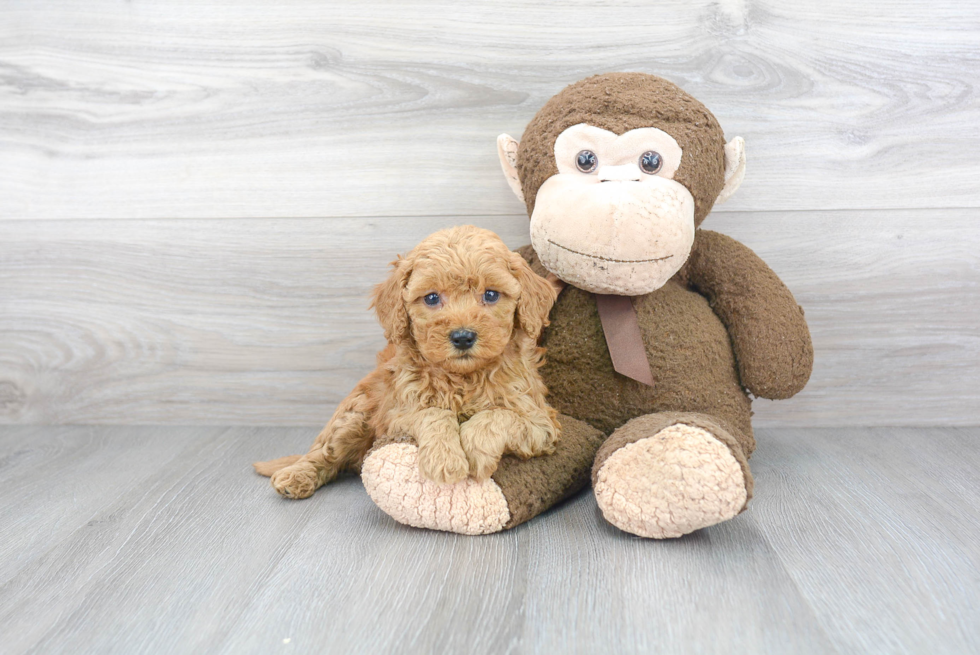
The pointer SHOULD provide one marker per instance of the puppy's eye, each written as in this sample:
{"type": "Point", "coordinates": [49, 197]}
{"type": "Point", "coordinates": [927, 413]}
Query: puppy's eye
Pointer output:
{"type": "Point", "coordinates": [586, 161]}
{"type": "Point", "coordinates": [431, 299]}
{"type": "Point", "coordinates": [490, 296]}
{"type": "Point", "coordinates": [651, 162]}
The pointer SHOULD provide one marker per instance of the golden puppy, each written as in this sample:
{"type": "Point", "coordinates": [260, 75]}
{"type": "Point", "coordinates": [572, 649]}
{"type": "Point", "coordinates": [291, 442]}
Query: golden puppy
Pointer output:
{"type": "Point", "coordinates": [462, 315]}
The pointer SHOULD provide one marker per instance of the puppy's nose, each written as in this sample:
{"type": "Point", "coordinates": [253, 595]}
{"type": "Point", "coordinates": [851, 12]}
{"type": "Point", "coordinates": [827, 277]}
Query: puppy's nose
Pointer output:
{"type": "Point", "coordinates": [463, 339]}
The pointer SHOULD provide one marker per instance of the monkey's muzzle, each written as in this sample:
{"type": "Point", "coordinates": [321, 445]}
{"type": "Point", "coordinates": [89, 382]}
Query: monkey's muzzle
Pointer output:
{"type": "Point", "coordinates": [624, 237]}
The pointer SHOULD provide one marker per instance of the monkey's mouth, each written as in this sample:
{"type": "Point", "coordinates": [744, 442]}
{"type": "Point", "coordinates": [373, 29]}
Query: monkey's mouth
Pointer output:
{"type": "Point", "coordinates": [610, 259]}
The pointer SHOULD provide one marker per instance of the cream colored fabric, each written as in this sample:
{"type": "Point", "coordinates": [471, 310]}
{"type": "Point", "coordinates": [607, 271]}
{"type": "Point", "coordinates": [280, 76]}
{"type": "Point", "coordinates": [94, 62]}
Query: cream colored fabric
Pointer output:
{"type": "Point", "coordinates": [615, 230]}
{"type": "Point", "coordinates": [391, 478]}
{"type": "Point", "coordinates": [624, 173]}
{"type": "Point", "coordinates": [613, 149]}
{"type": "Point", "coordinates": [507, 151]}
{"type": "Point", "coordinates": [623, 238]}
{"type": "Point", "coordinates": [734, 168]}
{"type": "Point", "coordinates": [679, 480]}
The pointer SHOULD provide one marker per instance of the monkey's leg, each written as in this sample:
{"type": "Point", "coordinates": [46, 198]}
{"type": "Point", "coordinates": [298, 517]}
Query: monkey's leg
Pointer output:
{"type": "Point", "coordinates": [519, 490]}
{"type": "Point", "coordinates": [667, 474]}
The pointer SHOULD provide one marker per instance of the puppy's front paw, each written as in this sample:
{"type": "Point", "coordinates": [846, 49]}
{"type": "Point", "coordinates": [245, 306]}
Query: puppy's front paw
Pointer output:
{"type": "Point", "coordinates": [442, 463]}
{"type": "Point", "coordinates": [480, 445]}
{"type": "Point", "coordinates": [538, 441]}
{"type": "Point", "coordinates": [482, 466]}
{"type": "Point", "coordinates": [296, 481]}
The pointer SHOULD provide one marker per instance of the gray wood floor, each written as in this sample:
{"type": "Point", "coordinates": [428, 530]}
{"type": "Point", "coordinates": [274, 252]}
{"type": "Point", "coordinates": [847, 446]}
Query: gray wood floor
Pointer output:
{"type": "Point", "coordinates": [196, 197]}
{"type": "Point", "coordinates": [161, 540]}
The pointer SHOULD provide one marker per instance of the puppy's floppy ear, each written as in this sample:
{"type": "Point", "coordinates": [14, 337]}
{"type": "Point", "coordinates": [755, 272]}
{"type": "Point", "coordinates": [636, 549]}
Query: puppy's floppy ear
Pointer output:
{"type": "Point", "coordinates": [389, 303]}
{"type": "Point", "coordinates": [537, 297]}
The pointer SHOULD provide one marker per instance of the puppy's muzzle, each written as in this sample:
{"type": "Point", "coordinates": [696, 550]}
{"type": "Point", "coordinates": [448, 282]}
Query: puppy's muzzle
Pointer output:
{"type": "Point", "coordinates": [462, 339]}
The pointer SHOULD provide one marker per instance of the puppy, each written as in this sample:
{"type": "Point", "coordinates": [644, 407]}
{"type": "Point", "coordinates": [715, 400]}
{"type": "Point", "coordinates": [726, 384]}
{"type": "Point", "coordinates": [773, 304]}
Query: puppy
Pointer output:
{"type": "Point", "coordinates": [462, 315]}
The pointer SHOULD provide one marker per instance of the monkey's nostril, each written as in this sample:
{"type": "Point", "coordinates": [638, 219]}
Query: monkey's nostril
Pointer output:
{"type": "Point", "coordinates": [463, 339]}
{"type": "Point", "coordinates": [624, 173]}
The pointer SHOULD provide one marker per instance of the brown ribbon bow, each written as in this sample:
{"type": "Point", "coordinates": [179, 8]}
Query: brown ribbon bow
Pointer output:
{"type": "Point", "coordinates": [623, 336]}
{"type": "Point", "coordinates": [622, 330]}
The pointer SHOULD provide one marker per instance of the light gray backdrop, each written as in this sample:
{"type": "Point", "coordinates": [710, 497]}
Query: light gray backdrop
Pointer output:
{"type": "Point", "coordinates": [195, 198]}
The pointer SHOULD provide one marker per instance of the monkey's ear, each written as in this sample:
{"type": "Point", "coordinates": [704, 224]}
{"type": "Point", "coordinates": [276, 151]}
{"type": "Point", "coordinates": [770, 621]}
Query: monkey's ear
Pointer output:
{"type": "Point", "coordinates": [537, 297]}
{"type": "Point", "coordinates": [507, 151]}
{"type": "Point", "coordinates": [734, 168]}
{"type": "Point", "coordinates": [389, 303]}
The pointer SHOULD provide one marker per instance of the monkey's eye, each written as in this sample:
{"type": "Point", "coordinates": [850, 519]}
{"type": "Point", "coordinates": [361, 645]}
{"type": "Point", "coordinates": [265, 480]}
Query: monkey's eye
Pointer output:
{"type": "Point", "coordinates": [490, 296]}
{"type": "Point", "coordinates": [586, 161]}
{"type": "Point", "coordinates": [651, 162]}
{"type": "Point", "coordinates": [431, 299]}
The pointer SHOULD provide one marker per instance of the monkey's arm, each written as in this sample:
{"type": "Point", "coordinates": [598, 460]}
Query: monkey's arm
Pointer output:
{"type": "Point", "coordinates": [770, 336]}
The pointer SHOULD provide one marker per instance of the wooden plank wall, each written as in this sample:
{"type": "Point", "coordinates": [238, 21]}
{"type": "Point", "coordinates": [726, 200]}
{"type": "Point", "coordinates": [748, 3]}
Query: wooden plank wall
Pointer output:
{"type": "Point", "coordinates": [195, 197]}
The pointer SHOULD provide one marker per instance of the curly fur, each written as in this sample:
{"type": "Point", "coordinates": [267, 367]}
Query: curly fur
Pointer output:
{"type": "Point", "coordinates": [465, 408]}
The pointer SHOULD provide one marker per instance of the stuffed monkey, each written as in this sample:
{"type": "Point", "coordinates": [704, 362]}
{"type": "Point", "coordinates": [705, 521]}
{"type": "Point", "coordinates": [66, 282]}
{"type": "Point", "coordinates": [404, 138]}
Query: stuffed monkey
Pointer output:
{"type": "Point", "coordinates": [660, 334]}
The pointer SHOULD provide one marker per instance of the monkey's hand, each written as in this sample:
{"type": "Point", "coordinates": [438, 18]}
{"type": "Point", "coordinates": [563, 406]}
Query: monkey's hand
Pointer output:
{"type": "Point", "coordinates": [769, 334]}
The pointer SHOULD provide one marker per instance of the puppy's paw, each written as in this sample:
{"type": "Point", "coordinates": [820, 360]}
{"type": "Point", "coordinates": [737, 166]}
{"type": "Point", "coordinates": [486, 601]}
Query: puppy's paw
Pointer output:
{"type": "Point", "coordinates": [482, 466]}
{"type": "Point", "coordinates": [443, 463]}
{"type": "Point", "coordinates": [479, 443]}
{"type": "Point", "coordinates": [538, 441]}
{"type": "Point", "coordinates": [297, 481]}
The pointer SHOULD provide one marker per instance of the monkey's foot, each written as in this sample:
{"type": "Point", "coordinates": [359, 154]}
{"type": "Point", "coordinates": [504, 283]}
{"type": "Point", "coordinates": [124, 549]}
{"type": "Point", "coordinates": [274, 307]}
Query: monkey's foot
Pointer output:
{"type": "Point", "coordinates": [519, 489]}
{"type": "Point", "coordinates": [391, 477]}
{"type": "Point", "coordinates": [680, 479]}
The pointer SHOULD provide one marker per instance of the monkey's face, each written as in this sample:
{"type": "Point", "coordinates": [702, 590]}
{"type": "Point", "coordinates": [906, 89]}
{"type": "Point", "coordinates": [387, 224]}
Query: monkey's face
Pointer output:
{"type": "Point", "coordinates": [613, 220]}
{"type": "Point", "coordinates": [616, 171]}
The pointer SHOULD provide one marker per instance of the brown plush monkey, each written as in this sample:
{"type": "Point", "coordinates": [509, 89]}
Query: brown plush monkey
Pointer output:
{"type": "Point", "coordinates": [659, 337]}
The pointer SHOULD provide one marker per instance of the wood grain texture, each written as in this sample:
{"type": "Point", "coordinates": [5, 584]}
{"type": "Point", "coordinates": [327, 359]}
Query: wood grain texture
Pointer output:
{"type": "Point", "coordinates": [224, 181]}
{"type": "Point", "coordinates": [867, 521]}
{"type": "Point", "coordinates": [895, 510]}
{"type": "Point", "coordinates": [338, 109]}
{"type": "Point", "coordinates": [847, 547]}
{"type": "Point", "coordinates": [106, 468]}
{"type": "Point", "coordinates": [266, 321]}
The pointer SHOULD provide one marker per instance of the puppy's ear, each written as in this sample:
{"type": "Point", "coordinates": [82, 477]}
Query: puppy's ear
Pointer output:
{"type": "Point", "coordinates": [537, 297]}
{"type": "Point", "coordinates": [389, 303]}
